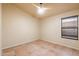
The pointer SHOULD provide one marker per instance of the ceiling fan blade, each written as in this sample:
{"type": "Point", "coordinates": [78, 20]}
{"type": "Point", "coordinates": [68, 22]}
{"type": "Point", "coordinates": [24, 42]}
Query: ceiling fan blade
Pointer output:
{"type": "Point", "coordinates": [39, 7]}
{"type": "Point", "coordinates": [36, 6]}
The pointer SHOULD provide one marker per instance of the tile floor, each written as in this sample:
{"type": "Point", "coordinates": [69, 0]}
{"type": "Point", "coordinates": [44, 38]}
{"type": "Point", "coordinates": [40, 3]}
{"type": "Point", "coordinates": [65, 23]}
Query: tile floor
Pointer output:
{"type": "Point", "coordinates": [40, 48]}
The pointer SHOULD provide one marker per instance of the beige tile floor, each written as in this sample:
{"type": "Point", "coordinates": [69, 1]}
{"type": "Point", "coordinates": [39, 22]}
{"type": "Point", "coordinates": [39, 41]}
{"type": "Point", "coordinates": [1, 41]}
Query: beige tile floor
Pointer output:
{"type": "Point", "coordinates": [40, 48]}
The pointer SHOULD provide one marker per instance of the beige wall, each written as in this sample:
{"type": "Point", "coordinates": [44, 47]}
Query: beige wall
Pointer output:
{"type": "Point", "coordinates": [0, 29]}
{"type": "Point", "coordinates": [18, 27]}
{"type": "Point", "coordinates": [51, 30]}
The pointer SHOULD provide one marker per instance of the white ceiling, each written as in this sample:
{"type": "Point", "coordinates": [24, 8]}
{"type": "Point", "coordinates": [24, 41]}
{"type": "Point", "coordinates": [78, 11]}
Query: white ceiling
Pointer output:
{"type": "Point", "coordinates": [55, 8]}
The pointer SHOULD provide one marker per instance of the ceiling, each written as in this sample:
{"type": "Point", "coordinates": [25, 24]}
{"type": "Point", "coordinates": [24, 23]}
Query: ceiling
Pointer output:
{"type": "Point", "coordinates": [54, 8]}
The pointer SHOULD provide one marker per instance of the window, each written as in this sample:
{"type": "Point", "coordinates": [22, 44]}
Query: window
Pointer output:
{"type": "Point", "coordinates": [69, 27]}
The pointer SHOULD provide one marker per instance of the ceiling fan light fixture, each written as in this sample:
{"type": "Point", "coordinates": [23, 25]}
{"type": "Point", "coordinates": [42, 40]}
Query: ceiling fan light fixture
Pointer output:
{"type": "Point", "coordinates": [41, 11]}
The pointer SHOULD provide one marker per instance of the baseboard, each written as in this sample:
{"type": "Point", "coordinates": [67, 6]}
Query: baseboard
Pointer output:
{"type": "Point", "coordinates": [41, 39]}
{"type": "Point", "coordinates": [19, 44]}
{"type": "Point", "coordinates": [61, 44]}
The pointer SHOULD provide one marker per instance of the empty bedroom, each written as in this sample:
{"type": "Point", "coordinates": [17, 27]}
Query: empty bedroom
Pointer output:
{"type": "Point", "coordinates": [40, 29]}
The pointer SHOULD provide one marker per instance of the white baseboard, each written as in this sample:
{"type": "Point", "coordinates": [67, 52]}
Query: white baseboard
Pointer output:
{"type": "Point", "coordinates": [44, 40]}
{"type": "Point", "coordinates": [18, 44]}
{"type": "Point", "coordinates": [62, 44]}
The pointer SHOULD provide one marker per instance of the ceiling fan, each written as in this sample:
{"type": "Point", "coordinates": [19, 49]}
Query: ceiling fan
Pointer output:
{"type": "Point", "coordinates": [40, 9]}
{"type": "Point", "coordinates": [41, 5]}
